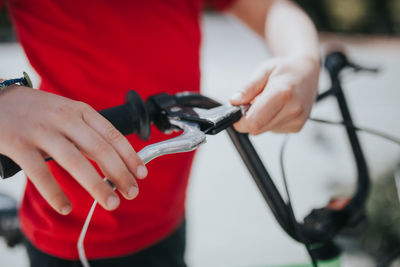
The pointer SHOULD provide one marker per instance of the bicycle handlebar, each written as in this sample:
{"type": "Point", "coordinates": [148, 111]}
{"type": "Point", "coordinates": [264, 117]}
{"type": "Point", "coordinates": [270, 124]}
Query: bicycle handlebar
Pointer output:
{"type": "Point", "coordinates": [319, 227]}
{"type": "Point", "coordinates": [195, 114]}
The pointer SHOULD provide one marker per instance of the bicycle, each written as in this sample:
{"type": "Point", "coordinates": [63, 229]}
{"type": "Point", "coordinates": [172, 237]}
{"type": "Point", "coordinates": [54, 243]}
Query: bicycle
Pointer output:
{"type": "Point", "coordinates": [199, 116]}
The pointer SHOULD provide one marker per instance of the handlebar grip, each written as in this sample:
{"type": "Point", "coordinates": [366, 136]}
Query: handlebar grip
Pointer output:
{"type": "Point", "coordinates": [8, 167]}
{"type": "Point", "coordinates": [131, 117]}
{"type": "Point", "coordinates": [122, 117]}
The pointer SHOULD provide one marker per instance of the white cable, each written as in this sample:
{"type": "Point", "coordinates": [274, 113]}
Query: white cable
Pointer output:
{"type": "Point", "coordinates": [81, 249]}
{"type": "Point", "coordinates": [146, 155]}
{"type": "Point", "coordinates": [82, 235]}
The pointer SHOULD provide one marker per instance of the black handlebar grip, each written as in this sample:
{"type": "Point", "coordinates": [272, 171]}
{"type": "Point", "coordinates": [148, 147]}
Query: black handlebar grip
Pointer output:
{"type": "Point", "coordinates": [8, 167]}
{"type": "Point", "coordinates": [131, 117]}
{"type": "Point", "coordinates": [122, 118]}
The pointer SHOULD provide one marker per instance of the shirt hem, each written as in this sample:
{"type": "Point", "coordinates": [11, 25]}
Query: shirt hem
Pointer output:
{"type": "Point", "coordinates": [118, 248]}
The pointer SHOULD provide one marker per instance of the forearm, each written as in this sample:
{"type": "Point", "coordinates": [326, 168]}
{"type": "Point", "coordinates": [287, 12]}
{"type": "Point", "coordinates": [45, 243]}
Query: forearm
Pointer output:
{"type": "Point", "coordinates": [286, 29]}
{"type": "Point", "coordinates": [284, 88]}
{"type": "Point", "coordinates": [289, 32]}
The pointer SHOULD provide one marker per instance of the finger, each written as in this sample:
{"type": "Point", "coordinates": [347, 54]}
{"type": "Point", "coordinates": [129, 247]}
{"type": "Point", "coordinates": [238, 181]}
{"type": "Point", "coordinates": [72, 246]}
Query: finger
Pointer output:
{"type": "Point", "coordinates": [94, 146]}
{"type": "Point", "coordinates": [36, 169]}
{"type": "Point", "coordinates": [290, 114]}
{"type": "Point", "coordinates": [293, 126]}
{"type": "Point", "coordinates": [117, 141]}
{"type": "Point", "coordinates": [264, 109]}
{"type": "Point", "coordinates": [71, 159]}
{"type": "Point", "coordinates": [256, 85]}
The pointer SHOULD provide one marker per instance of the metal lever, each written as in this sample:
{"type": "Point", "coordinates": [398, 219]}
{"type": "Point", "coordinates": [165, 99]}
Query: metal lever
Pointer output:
{"type": "Point", "coordinates": [191, 121]}
{"type": "Point", "coordinates": [191, 138]}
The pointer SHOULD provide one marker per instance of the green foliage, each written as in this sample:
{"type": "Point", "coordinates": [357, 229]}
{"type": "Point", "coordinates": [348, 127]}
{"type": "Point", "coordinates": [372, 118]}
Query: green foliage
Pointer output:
{"type": "Point", "coordinates": [383, 232]}
{"type": "Point", "coordinates": [380, 237]}
{"type": "Point", "coordinates": [6, 32]}
{"type": "Point", "coordinates": [349, 16]}
{"type": "Point", "coordinates": [355, 16]}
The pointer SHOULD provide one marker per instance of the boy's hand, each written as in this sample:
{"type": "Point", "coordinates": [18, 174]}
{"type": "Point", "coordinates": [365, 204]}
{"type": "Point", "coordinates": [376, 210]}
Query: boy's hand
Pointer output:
{"type": "Point", "coordinates": [281, 95]}
{"type": "Point", "coordinates": [36, 124]}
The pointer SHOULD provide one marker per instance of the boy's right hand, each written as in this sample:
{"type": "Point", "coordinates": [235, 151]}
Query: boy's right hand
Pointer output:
{"type": "Point", "coordinates": [36, 124]}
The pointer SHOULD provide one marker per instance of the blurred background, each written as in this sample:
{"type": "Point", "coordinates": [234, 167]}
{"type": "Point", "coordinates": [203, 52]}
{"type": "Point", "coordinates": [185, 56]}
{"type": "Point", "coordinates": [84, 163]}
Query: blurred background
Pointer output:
{"type": "Point", "coordinates": [355, 16]}
{"type": "Point", "coordinates": [229, 224]}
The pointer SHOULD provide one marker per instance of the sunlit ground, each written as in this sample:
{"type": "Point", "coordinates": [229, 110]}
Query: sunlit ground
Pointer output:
{"type": "Point", "coordinates": [228, 222]}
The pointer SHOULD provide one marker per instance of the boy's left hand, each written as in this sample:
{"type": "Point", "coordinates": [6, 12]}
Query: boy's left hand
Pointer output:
{"type": "Point", "coordinates": [281, 95]}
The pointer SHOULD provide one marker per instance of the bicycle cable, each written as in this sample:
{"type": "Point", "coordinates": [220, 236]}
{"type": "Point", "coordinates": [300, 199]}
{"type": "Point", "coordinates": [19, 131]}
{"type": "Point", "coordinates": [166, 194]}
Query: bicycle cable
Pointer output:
{"type": "Point", "coordinates": [289, 201]}
{"type": "Point", "coordinates": [81, 249]}
{"type": "Point", "coordinates": [284, 178]}
{"type": "Point", "coordinates": [362, 129]}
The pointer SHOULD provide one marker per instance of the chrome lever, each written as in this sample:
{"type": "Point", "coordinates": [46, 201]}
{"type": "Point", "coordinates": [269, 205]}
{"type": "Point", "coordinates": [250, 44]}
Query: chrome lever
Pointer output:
{"type": "Point", "coordinates": [191, 138]}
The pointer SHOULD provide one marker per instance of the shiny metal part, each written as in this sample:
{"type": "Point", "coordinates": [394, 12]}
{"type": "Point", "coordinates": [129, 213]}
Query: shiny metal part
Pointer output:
{"type": "Point", "coordinates": [217, 114]}
{"type": "Point", "coordinates": [189, 140]}
{"type": "Point", "coordinates": [192, 137]}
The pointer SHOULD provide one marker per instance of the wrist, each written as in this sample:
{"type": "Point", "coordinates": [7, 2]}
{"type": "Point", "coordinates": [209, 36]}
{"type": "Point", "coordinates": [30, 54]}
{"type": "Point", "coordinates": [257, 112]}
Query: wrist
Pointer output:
{"type": "Point", "coordinates": [311, 60]}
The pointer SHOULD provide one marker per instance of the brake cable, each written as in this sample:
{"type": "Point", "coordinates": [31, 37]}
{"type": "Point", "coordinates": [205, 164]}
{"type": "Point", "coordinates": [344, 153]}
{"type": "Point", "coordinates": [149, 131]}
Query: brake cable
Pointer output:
{"type": "Point", "coordinates": [360, 129]}
{"type": "Point", "coordinates": [283, 149]}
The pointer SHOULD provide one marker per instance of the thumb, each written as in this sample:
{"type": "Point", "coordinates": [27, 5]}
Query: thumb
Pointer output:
{"type": "Point", "coordinates": [255, 87]}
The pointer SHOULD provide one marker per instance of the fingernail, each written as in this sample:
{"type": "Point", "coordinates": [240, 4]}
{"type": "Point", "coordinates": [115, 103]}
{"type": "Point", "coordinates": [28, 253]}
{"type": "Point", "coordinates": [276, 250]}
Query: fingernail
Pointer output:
{"type": "Point", "coordinates": [141, 172]}
{"type": "Point", "coordinates": [237, 96]}
{"type": "Point", "coordinates": [66, 209]}
{"type": "Point", "coordinates": [133, 191]}
{"type": "Point", "coordinates": [112, 202]}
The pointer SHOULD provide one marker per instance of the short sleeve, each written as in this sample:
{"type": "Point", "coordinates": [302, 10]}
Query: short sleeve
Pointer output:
{"type": "Point", "coordinates": [218, 5]}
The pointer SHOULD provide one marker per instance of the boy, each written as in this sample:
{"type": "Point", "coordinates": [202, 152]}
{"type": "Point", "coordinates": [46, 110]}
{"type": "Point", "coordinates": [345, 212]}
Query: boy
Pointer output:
{"type": "Point", "coordinates": [88, 55]}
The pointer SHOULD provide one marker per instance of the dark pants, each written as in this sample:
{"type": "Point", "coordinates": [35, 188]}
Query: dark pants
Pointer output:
{"type": "Point", "coordinates": [167, 253]}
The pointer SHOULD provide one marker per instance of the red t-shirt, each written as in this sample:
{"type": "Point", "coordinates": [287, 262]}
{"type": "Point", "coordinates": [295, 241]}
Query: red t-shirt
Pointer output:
{"type": "Point", "coordinates": [95, 51]}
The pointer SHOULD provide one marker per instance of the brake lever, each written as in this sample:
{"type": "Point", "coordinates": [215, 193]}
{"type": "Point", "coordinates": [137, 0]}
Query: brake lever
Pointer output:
{"type": "Point", "coordinates": [195, 114]}
{"type": "Point", "coordinates": [191, 138]}
{"type": "Point", "coordinates": [195, 123]}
